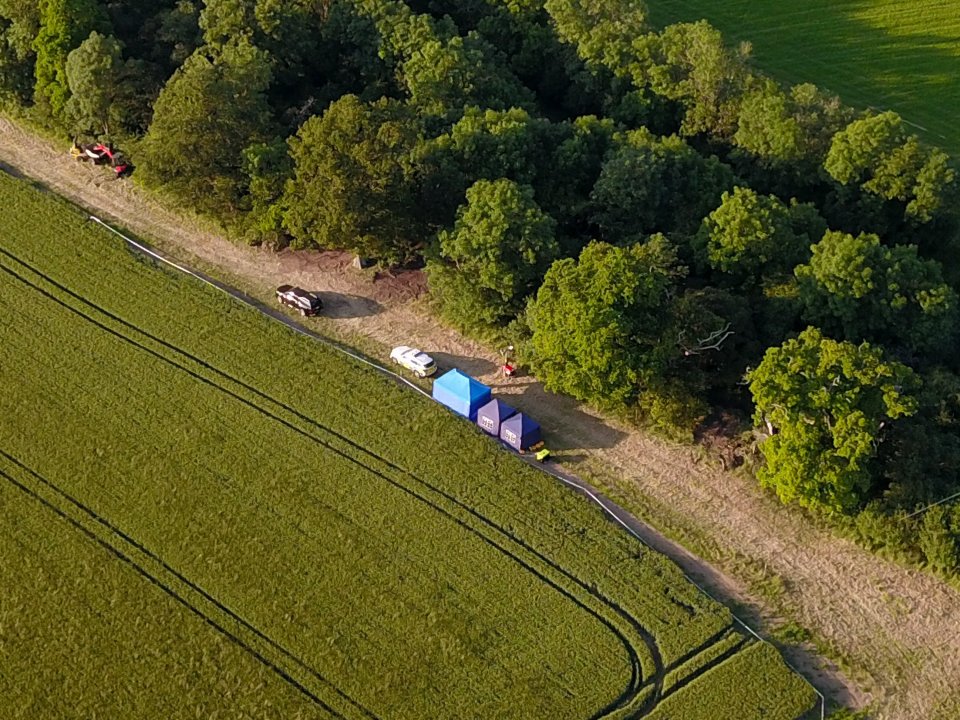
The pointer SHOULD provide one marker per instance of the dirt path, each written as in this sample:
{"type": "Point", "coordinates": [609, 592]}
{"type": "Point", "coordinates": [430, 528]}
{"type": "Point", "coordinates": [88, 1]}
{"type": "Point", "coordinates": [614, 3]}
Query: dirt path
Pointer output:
{"type": "Point", "coordinates": [897, 629]}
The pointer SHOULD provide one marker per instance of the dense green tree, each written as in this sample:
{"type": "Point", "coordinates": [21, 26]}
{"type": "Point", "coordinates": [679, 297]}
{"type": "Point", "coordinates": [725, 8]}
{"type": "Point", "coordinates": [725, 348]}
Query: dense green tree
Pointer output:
{"type": "Point", "coordinates": [134, 23]}
{"type": "Point", "coordinates": [64, 24]}
{"type": "Point", "coordinates": [750, 235]}
{"type": "Point", "coordinates": [209, 111]}
{"type": "Point", "coordinates": [861, 289]}
{"type": "Point", "coordinates": [291, 31]}
{"type": "Point", "coordinates": [919, 462]}
{"type": "Point", "coordinates": [689, 62]}
{"type": "Point", "coordinates": [445, 76]}
{"type": "Point", "coordinates": [602, 30]}
{"type": "Point", "coordinates": [877, 154]}
{"type": "Point", "coordinates": [267, 166]}
{"type": "Point", "coordinates": [93, 77]}
{"type": "Point", "coordinates": [496, 255]}
{"type": "Point", "coordinates": [177, 34]}
{"type": "Point", "coordinates": [562, 161]}
{"type": "Point", "coordinates": [827, 403]}
{"type": "Point", "coordinates": [490, 144]}
{"type": "Point", "coordinates": [356, 181]}
{"type": "Point", "coordinates": [789, 130]}
{"type": "Point", "coordinates": [651, 184]}
{"type": "Point", "coordinates": [598, 322]}
{"type": "Point", "coordinates": [19, 25]}
{"type": "Point", "coordinates": [569, 171]}
{"type": "Point", "coordinates": [523, 33]}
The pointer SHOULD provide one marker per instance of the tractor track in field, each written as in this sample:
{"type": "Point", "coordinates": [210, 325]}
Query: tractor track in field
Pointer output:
{"type": "Point", "coordinates": [130, 547]}
{"type": "Point", "coordinates": [637, 686]}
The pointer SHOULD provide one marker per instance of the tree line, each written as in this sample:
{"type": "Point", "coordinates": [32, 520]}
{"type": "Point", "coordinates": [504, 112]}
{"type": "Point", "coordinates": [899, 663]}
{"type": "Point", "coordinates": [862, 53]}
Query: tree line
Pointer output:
{"type": "Point", "coordinates": [662, 229]}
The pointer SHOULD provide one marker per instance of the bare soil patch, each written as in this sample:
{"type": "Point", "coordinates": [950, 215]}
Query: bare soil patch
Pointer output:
{"type": "Point", "coordinates": [897, 629]}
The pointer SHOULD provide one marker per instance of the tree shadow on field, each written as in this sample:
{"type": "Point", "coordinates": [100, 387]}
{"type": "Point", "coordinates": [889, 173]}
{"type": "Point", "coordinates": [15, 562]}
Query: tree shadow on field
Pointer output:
{"type": "Point", "coordinates": [12, 171]}
{"type": "Point", "coordinates": [473, 366]}
{"type": "Point", "coordinates": [568, 428]}
{"type": "Point", "coordinates": [340, 306]}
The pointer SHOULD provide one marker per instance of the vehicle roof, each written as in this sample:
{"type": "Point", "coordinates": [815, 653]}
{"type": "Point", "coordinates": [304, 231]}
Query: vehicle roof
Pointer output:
{"type": "Point", "coordinates": [284, 288]}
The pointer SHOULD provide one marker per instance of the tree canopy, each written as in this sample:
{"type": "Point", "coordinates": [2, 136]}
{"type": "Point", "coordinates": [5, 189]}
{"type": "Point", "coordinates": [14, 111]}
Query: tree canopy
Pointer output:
{"type": "Point", "coordinates": [598, 321]}
{"type": "Point", "coordinates": [651, 184]}
{"type": "Point", "coordinates": [356, 181]}
{"type": "Point", "coordinates": [498, 252]}
{"type": "Point", "coordinates": [213, 107]}
{"type": "Point", "coordinates": [877, 154]}
{"type": "Point", "coordinates": [860, 289]}
{"type": "Point", "coordinates": [827, 403]}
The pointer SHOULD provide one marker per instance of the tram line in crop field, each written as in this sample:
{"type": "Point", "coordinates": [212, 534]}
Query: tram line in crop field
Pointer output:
{"type": "Point", "coordinates": [306, 537]}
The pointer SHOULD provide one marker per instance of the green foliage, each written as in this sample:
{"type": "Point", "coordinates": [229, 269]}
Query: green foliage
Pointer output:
{"type": "Point", "coordinates": [210, 110]}
{"type": "Point", "coordinates": [750, 236]}
{"type": "Point", "coordinates": [268, 167]}
{"type": "Point", "coordinates": [562, 161]}
{"type": "Point", "coordinates": [64, 24]}
{"type": "Point", "coordinates": [789, 129]}
{"type": "Point", "coordinates": [876, 153]}
{"type": "Point", "coordinates": [19, 25]}
{"type": "Point", "coordinates": [570, 173]}
{"type": "Point", "coordinates": [601, 30]}
{"type": "Point", "coordinates": [651, 184]}
{"type": "Point", "coordinates": [876, 528]}
{"type": "Point", "coordinates": [689, 63]}
{"type": "Point", "coordinates": [178, 33]}
{"type": "Point", "coordinates": [356, 181]}
{"type": "Point", "coordinates": [939, 538]}
{"type": "Point", "coordinates": [861, 289]}
{"type": "Point", "coordinates": [491, 144]}
{"type": "Point", "coordinates": [598, 321]}
{"type": "Point", "coordinates": [445, 76]}
{"type": "Point", "coordinates": [93, 76]}
{"type": "Point", "coordinates": [290, 31]}
{"type": "Point", "coordinates": [827, 403]}
{"type": "Point", "coordinates": [500, 248]}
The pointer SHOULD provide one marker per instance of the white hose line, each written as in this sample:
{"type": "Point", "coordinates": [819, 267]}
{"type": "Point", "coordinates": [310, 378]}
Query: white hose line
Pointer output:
{"type": "Point", "coordinates": [579, 485]}
{"type": "Point", "coordinates": [240, 297]}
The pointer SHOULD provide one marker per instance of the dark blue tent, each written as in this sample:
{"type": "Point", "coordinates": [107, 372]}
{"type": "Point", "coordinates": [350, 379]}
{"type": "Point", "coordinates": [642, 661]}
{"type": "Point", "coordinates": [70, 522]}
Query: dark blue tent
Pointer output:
{"type": "Point", "coordinates": [520, 432]}
{"type": "Point", "coordinates": [461, 393]}
{"type": "Point", "coordinates": [492, 414]}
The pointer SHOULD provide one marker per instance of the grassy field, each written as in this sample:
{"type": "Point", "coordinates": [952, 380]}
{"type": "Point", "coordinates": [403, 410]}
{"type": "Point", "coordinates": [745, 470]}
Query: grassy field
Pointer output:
{"type": "Point", "coordinates": [887, 54]}
{"type": "Point", "coordinates": [203, 513]}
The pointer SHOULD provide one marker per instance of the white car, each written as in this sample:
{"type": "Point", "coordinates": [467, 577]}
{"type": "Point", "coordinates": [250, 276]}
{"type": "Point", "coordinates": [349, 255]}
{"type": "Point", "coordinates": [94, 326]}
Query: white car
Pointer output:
{"type": "Point", "coordinates": [419, 363]}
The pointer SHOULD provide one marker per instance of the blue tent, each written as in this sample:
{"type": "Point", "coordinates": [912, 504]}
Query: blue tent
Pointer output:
{"type": "Point", "coordinates": [492, 414]}
{"type": "Point", "coordinates": [520, 432]}
{"type": "Point", "coordinates": [461, 393]}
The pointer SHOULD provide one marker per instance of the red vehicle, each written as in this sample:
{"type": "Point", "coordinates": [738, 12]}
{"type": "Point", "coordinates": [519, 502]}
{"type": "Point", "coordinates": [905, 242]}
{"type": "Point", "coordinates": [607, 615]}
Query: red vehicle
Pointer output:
{"type": "Point", "coordinates": [101, 154]}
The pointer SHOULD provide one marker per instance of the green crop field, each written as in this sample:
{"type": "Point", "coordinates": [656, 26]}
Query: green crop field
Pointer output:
{"type": "Point", "coordinates": [205, 514]}
{"type": "Point", "coordinates": [887, 54]}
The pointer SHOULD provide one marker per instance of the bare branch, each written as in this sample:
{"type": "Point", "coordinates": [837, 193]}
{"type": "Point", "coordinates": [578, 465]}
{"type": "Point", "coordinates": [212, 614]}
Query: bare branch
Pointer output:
{"type": "Point", "coordinates": [713, 341]}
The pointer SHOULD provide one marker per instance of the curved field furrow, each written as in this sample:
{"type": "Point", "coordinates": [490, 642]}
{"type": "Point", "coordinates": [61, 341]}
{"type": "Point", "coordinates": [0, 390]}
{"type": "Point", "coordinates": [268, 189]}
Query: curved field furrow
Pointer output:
{"type": "Point", "coordinates": [637, 681]}
{"type": "Point", "coordinates": [335, 528]}
{"type": "Point", "coordinates": [631, 694]}
{"type": "Point", "coordinates": [125, 548]}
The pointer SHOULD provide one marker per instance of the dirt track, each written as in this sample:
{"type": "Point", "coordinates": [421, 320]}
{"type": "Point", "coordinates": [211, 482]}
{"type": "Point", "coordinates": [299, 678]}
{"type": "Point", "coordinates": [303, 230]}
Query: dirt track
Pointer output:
{"type": "Point", "coordinates": [898, 629]}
